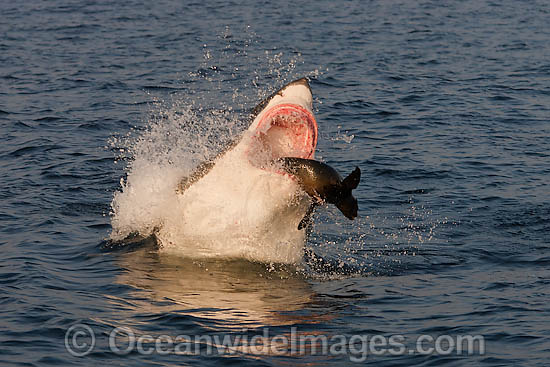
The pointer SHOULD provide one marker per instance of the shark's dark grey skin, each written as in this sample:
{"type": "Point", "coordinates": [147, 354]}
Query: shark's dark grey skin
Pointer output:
{"type": "Point", "coordinates": [323, 184]}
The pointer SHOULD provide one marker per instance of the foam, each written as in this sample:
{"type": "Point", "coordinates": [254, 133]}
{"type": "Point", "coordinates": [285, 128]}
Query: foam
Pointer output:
{"type": "Point", "coordinates": [235, 211]}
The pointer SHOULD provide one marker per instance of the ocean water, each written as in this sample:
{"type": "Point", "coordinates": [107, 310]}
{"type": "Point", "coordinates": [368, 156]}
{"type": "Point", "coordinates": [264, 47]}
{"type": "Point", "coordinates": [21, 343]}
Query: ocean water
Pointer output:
{"type": "Point", "coordinates": [443, 105]}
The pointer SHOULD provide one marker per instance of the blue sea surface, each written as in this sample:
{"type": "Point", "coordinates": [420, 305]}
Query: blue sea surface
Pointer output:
{"type": "Point", "coordinates": [444, 105]}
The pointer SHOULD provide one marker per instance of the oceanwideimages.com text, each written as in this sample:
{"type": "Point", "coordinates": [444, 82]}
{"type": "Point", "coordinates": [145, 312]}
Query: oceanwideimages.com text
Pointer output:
{"type": "Point", "coordinates": [80, 340]}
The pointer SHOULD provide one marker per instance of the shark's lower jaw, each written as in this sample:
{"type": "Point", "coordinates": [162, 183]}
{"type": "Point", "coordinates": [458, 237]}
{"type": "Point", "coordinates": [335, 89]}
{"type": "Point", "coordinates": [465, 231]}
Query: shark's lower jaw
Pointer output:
{"type": "Point", "coordinates": [285, 130]}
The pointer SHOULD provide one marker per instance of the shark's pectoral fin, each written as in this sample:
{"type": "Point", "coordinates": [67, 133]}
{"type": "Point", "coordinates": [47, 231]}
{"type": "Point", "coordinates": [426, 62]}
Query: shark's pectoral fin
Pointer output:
{"type": "Point", "coordinates": [306, 220]}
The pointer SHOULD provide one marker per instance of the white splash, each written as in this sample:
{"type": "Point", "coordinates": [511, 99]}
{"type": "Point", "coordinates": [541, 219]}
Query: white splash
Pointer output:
{"type": "Point", "coordinates": [236, 211]}
{"type": "Point", "coordinates": [229, 220]}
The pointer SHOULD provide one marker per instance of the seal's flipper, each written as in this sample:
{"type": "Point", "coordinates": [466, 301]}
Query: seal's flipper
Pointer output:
{"type": "Point", "coordinates": [352, 181]}
{"type": "Point", "coordinates": [348, 204]}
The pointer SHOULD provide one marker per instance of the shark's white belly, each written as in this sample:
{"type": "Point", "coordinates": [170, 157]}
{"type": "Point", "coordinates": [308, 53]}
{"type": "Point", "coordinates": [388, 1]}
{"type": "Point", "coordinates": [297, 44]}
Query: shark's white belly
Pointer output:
{"type": "Point", "coordinates": [238, 210]}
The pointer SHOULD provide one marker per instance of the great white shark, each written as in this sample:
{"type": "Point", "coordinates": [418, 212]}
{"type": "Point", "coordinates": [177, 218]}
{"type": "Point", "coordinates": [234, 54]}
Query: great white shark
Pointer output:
{"type": "Point", "coordinates": [272, 165]}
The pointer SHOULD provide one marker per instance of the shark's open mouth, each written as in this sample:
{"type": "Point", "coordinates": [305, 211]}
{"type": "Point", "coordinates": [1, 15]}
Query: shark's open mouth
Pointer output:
{"type": "Point", "coordinates": [287, 130]}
